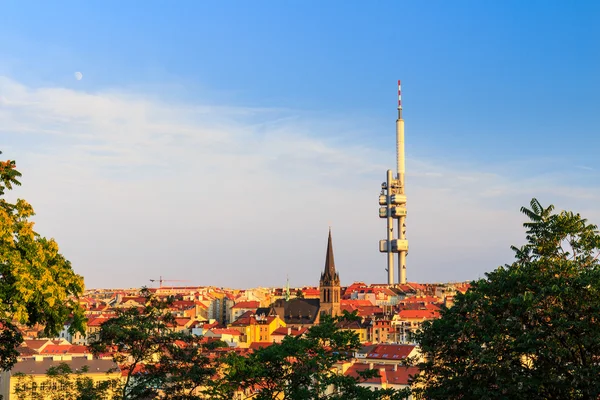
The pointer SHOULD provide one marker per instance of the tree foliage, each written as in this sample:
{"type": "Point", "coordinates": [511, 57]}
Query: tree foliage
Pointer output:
{"type": "Point", "coordinates": [530, 329]}
{"type": "Point", "coordinates": [37, 284]}
{"type": "Point", "coordinates": [300, 368]}
{"type": "Point", "coordinates": [158, 362]}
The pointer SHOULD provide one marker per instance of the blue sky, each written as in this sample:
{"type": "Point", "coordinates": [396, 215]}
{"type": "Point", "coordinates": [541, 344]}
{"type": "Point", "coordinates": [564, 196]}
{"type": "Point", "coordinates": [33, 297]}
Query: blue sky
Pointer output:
{"type": "Point", "coordinates": [182, 103]}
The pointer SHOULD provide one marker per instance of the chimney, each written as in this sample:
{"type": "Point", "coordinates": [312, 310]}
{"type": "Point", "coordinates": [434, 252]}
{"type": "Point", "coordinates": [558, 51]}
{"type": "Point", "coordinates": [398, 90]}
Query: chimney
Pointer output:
{"type": "Point", "coordinates": [289, 330]}
{"type": "Point", "coordinates": [370, 365]}
{"type": "Point", "coordinates": [395, 367]}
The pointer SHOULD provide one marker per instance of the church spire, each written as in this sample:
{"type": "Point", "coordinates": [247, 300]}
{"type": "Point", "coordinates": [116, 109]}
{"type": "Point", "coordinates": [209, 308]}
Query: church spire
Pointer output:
{"type": "Point", "coordinates": [330, 275]}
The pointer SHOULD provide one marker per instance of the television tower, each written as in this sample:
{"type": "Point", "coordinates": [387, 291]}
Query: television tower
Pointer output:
{"type": "Point", "coordinates": [392, 201]}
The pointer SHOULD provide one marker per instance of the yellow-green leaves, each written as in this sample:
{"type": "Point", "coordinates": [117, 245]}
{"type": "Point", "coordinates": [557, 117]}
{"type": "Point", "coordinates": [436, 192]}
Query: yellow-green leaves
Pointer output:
{"type": "Point", "coordinates": [37, 284]}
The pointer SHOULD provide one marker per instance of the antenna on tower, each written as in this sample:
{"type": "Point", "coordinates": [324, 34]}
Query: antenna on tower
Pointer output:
{"type": "Point", "coordinates": [399, 100]}
{"type": "Point", "coordinates": [392, 202]}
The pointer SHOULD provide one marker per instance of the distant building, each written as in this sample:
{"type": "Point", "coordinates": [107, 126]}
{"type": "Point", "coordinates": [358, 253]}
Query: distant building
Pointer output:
{"type": "Point", "coordinates": [329, 285]}
{"type": "Point", "coordinates": [305, 312]}
{"type": "Point", "coordinates": [29, 375]}
{"type": "Point", "coordinates": [239, 308]}
{"type": "Point", "coordinates": [256, 327]}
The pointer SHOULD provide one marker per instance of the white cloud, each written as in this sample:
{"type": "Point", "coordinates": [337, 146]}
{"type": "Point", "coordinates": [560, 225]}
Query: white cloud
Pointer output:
{"type": "Point", "coordinates": [133, 187]}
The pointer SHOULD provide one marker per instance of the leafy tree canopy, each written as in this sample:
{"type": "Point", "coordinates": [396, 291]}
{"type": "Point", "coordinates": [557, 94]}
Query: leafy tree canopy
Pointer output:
{"type": "Point", "coordinates": [530, 329]}
{"type": "Point", "coordinates": [37, 284]}
{"type": "Point", "coordinates": [300, 368]}
{"type": "Point", "coordinates": [158, 361]}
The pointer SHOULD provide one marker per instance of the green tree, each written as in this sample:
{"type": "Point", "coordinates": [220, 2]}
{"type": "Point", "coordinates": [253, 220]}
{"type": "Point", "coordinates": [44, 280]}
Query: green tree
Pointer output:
{"type": "Point", "coordinates": [530, 329]}
{"type": "Point", "coordinates": [37, 284]}
{"type": "Point", "coordinates": [158, 362]}
{"type": "Point", "coordinates": [300, 368]}
{"type": "Point", "coordinates": [217, 344]}
{"type": "Point", "coordinates": [299, 294]}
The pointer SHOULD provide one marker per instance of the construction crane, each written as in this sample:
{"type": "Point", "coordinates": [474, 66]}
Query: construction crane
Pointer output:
{"type": "Point", "coordinates": [161, 280]}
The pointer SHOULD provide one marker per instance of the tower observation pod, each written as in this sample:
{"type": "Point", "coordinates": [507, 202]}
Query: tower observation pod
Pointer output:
{"type": "Point", "coordinates": [392, 206]}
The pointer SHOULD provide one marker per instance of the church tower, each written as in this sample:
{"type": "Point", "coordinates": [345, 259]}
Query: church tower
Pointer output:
{"type": "Point", "coordinates": [329, 284]}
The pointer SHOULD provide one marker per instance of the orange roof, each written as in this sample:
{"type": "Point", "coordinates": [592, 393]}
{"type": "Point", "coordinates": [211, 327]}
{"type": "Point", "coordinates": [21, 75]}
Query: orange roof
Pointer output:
{"type": "Point", "coordinates": [288, 331]}
{"type": "Point", "coordinates": [247, 304]}
{"type": "Point", "coordinates": [97, 321]}
{"type": "Point", "coordinates": [362, 311]}
{"type": "Point", "coordinates": [56, 349]}
{"type": "Point", "coordinates": [246, 320]}
{"type": "Point", "coordinates": [356, 285]}
{"type": "Point", "coordinates": [357, 303]}
{"type": "Point", "coordinates": [182, 321]}
{"type": "Point", "coordinates": [418, 314]}
{"type": "Point", "coordinates": [36, 344]}
{"type": "Point", "coordinates": [311, 292]}
{"type": "Point", "coordinates": [401, 376]}
{"type": "Point", "coordinates": [136, 370]}
{"type": "Point", "coordinates": [405, 288]}
{"type": "Point", "coordinates": [463, 289]}
{"type": "Point", "coordinates": [420, 299]}
{"type": "Point", "coordinates": [78, 349]}
{"type": "Point", "coordinates": [259, 345]}
{"type": "Point", "coordinates": [390, 351]}
{"type": "Point", "coordinates": [416, 286]}
{"type": "Point", "coordinates": [183, 304]}
{"type": "Point", "coordinates": [210, 326]}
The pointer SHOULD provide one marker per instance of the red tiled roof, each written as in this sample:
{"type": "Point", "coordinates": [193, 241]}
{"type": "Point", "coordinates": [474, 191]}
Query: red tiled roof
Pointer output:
{"type": "Point", "coordinates": [356, 285]}
{"type": "Point", "coordinates": [362, 311]}
{"type": "Point", "coordinates": [311, 292]}
{"type": "Point", "coordinates": [416, 286]}
{"type": "Point", "coordinates": [247, 304]}
{"type": "Point", "coordinates": [401, 376]}
{"type": "Point", "coordinates": [97, 321]}
{"type": "Point", "coordinates": [358, 303]}
{"type": "Point", "coordinates": [420, 299]}
{"type": "Point", "coordinates": [182, 321]}
{"type": "Point", "coordinates": [390, 351]}
{"type": "Point", "coordinates": [405, 288]}
{"type": "Point", "coordinates": [463, 289]}
{"type": "Point", "coordinates": [210, 326]}
{"type": "Point", "coordinates": [25, 351]}
{"type": "Point", "coordinates": [36, 344]}
{"type": "Point", "coordinates": [245, 320]}
{"type": "Point", "coordinates": [418, 314]}
{"type": "Point", "coordinates": [183, 304]}
{"type": "Point", "coordinates": [259, 345]}
{"type": "Point", "coordinates": [197, 324]}
{"type": "Point", "coordinates": [56, 349]}
{"type": "Point", "coordinates": [78, 349]}
{"type": "Point", "coordinates": [291, 331]}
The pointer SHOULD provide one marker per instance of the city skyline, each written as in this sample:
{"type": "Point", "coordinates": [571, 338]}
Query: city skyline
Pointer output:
{"type": "Point", "coordinates": [217, 143]}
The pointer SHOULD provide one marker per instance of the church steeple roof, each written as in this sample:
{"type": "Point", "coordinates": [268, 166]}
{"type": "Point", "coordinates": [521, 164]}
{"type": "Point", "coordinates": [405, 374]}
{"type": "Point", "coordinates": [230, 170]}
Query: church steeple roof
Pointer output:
{"type": "Point", "coordinates": [329, 277]}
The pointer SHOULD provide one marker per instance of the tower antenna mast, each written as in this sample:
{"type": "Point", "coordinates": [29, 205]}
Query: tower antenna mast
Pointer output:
{"type": "Point", "coordinates": [392, 201]}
